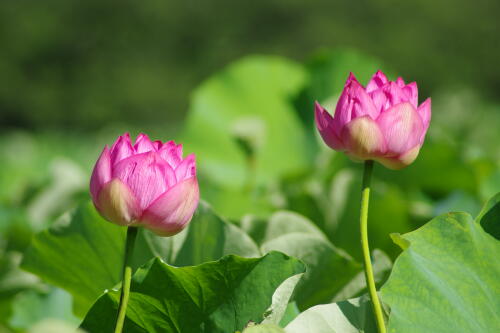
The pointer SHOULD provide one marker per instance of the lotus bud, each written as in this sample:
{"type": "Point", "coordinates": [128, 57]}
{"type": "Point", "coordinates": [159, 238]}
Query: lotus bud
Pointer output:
{"type": "Point", "coordinates": [382, 122]}
{"type": "Point", "coordinates": [147, 184]}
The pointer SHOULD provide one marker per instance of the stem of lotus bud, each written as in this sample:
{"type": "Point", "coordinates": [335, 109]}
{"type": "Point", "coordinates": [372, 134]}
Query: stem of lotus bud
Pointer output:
{"type": "Point", "coordinates": [370, 281]}
{"type": "Point", "coordinates": [127, 277]}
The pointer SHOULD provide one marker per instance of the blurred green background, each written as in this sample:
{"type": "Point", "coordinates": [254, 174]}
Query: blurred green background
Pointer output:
{"type": "Point", "coordinates": [235, 82]}
{"type": "Point", "coordinates": [83, 65]}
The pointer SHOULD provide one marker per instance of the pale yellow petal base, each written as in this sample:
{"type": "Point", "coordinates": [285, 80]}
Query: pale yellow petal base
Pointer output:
{"type": "Point", "coordinates": [363, 139]}
{"type": "Point", "coordinates": [400, 162]}
{"type": "Point", "coordinates": [117, 203]}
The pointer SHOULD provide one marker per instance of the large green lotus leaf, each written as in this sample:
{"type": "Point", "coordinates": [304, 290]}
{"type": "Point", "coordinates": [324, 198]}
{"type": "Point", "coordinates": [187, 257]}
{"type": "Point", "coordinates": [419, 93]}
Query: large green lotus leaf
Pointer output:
{"type": "Point", "coordinates": [278, 224]}
{"type": "Point", "coordinates": [277, 311]}
{"type": "Point", "coordinates": [286, 222]}
{"type": "Point", "coordinates": [350, 316]}
{"type": "Point", "coordinates": [328, 268]}
{"type": "Point", "coordinates": [221, 296]}
{"type": "Point", "coordinates": [241, 122]}
{"type": "Point", "coordinates": [264, 328]}
{"type": "Point", "coordinates": [149, 245]}
{"type": "Point", "coordinates": [381, 265]}
{"type": "Point", "coordinates": [291, 312]}
{"type": "Point", "coordinates": [210, 237]}
{"type": "Point", "coordinates": [83, 254]}
{"type": "Point", "coordinates": [446, 280]}
{"type": "Point", "coordinates": [489, 217]}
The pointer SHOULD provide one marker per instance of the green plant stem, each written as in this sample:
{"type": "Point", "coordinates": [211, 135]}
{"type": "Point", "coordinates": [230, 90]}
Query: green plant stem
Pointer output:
{"type": "Point", "coordinates": [370, 281]}
{"type": "Point", "coordinates": [127, 277]}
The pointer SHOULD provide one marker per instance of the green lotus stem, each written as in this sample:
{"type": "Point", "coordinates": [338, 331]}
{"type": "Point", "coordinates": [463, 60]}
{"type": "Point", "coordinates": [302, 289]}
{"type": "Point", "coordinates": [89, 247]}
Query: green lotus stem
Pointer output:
{"type": "Point", "coordinates": [370, 281]}
{"type": "Point", "coordinates": [127, 277]}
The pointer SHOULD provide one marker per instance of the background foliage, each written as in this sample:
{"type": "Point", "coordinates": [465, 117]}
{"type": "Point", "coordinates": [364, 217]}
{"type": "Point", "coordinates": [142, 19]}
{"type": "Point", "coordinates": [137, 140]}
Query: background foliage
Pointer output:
{"type": "Point", "coordinates": [74, 63]}
{"type": "Point", "coordinates": [235, 82]}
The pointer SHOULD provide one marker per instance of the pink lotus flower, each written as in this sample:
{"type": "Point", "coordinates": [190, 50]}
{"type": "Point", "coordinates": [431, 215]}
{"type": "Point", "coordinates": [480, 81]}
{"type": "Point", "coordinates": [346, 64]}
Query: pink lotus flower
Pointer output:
{"type": "Point", "coordinates": [148, 184]}
{"type": "Point", "coordinates": [382, 122]}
